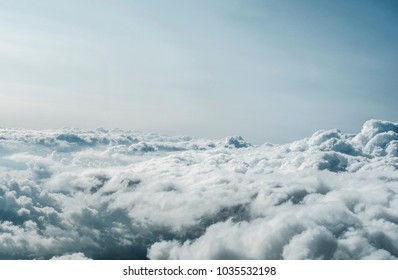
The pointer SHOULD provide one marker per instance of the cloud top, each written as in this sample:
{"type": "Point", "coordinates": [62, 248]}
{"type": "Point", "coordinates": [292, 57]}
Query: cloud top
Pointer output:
{"type": "Point", "coordinates": [114, 194]}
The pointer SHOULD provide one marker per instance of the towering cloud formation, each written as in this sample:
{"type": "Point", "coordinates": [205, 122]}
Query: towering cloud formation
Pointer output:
{"type": "Point", "coordinates": [67, 194]}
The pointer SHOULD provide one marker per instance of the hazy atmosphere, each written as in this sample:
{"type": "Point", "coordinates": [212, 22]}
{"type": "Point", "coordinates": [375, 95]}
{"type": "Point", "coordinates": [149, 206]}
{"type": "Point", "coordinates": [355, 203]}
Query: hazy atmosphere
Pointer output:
{"type": "Point", "coordinates": [271, 71]}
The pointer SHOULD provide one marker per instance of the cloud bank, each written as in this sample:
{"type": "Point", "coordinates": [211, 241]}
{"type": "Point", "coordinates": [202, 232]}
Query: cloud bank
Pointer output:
{"type": "Point", "coordinates": [113, 194]}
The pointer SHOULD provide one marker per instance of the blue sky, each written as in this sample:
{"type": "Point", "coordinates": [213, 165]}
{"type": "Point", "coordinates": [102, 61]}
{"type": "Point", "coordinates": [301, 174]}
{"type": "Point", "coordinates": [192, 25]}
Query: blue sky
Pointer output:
{"type": "Point", "coordinates": [271, 71]}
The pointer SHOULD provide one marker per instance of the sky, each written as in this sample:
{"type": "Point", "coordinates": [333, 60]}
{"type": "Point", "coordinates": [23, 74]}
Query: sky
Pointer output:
{"type": "Point", "coordinates": [271, 71]}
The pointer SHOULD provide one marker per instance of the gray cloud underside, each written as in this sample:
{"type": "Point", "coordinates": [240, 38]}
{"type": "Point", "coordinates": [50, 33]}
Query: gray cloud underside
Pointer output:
{"type": "Point", "coordinates": [76, 194]}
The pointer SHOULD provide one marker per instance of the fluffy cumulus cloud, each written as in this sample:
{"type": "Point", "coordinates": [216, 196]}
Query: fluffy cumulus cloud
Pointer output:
{"type": "Point", "coordinates": [112, 194]}
{"type": "Point", "coordinates": [74, 256]}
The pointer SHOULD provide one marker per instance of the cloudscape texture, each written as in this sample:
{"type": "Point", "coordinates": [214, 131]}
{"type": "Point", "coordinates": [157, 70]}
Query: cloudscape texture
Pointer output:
{"type": "Point", "coordinates": [117, 194]}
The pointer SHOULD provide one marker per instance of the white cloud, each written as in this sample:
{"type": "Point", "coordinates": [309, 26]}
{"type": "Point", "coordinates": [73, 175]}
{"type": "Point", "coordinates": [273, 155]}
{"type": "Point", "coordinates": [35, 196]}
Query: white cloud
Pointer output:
{"type": "Point", "coordinates": [129, 195]}
{"type": "Point", "coordinates": [74, 256]}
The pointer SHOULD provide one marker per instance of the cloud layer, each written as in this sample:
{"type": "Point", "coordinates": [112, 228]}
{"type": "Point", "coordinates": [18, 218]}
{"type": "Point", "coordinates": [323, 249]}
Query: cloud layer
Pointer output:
{"type": "Point", "coordinates": [112, 194]}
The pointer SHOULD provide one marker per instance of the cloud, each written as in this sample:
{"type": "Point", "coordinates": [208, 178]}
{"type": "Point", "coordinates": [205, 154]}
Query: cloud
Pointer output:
{"type": "Point", "coordinates": [114, 194]}
{"type": "Point", "coordinates": [74, 256]}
